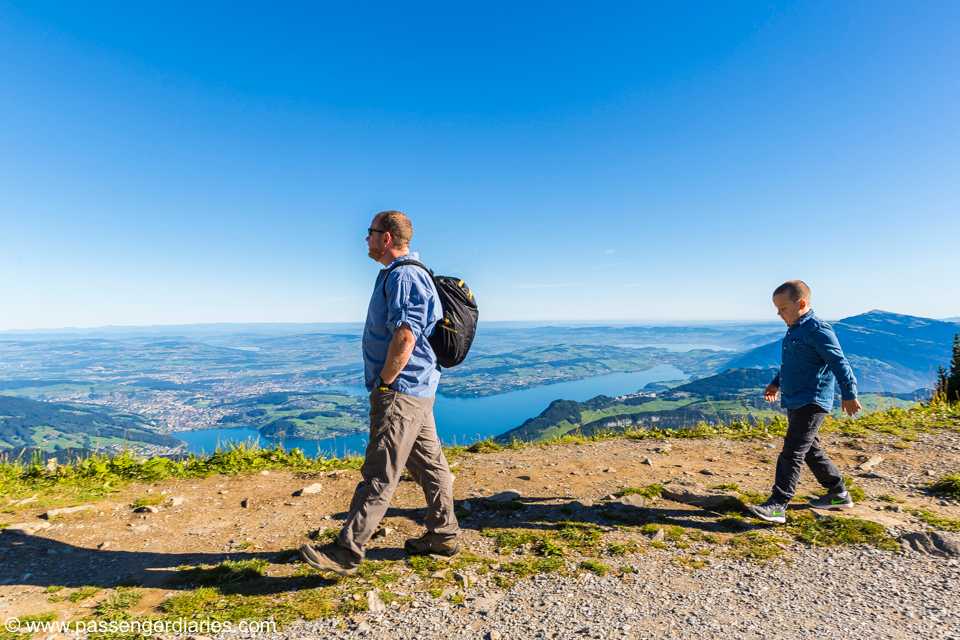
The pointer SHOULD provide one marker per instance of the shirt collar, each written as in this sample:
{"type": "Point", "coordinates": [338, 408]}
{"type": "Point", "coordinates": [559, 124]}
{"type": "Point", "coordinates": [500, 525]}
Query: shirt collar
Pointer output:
{"type": "Point", "coordinates": [413, 255]}
{"type": "Point", "coordinates": [803, 318]}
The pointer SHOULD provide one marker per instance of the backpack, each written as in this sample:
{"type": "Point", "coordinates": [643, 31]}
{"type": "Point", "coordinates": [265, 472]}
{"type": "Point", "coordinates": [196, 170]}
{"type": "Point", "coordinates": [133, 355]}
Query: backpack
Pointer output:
{"type": "Point", "coordinates": [453, 335]}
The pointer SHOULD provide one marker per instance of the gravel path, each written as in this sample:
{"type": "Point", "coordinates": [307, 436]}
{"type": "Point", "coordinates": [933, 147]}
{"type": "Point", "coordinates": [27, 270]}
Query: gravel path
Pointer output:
{"type": "Point", "coordinates": [852, 593]}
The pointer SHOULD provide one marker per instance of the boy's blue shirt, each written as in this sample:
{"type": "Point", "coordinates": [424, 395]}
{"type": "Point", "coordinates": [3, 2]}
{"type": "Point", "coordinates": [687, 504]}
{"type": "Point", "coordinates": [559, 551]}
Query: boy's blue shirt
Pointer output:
{"type": "Point", "coordinates": [811, 361]}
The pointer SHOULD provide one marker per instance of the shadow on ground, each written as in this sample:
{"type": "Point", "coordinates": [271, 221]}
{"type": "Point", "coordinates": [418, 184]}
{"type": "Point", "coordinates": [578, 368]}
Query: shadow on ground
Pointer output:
{"type": "Point", "coordinates": [38, 561]}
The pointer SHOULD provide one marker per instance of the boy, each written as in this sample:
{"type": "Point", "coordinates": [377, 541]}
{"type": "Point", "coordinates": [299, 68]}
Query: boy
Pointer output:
{"type": "Point", "coordinates": [810, 362]}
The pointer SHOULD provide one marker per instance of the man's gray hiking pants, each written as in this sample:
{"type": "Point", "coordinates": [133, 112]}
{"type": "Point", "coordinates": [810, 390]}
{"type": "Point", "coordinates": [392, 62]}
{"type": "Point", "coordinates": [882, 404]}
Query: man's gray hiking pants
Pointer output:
{"type": "Point", "coordinates": [403, 434]}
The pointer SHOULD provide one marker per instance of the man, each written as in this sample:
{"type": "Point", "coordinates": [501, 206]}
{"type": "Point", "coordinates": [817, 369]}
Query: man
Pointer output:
{"type": "Point", "coordinates": [811, 361]}
{"type": "Point", "coordinates": [401, 374]}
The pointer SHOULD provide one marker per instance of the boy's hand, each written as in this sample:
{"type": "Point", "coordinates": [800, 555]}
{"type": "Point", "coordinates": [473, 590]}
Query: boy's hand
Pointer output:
{"type": "Point", "coordinates": [851, 407]}
{"type": "Point", "coordinates": [771, 393]}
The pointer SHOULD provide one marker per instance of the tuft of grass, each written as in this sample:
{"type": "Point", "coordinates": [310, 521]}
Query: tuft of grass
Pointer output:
{"type": "Point", "coordinates": [583, 536]}
{"type": "Point", "coordinates": [548, 548]}
{"type": "Point", "coordinates": [726, 486]}
{"type": "Point", "coordinates": [152, 500]}
{"type": "Point", "coordinates": [886, 497]}
{"type": "Point", "coordinates": [226, 573]}
{"type": "Point", "coordinates": [829, 531]}
{"type": "Point", "coordinates": [937, 521]}
{"type": "Point", "coordinates": [508, 540]}
{"type": "Point", "coordinates": [755, 545]}
{"type": "Point", "coordinates": [856, 491]}
{"type": "Point", "coordinates": [622, 548]}
{"type": "Point", "coordinates": [533, 566]}
{"type": "Point", "coordinates": [948, 486]}
{"type": "Point", "coordinates": [751, 497]}
{"type": "Point", "coordinates": [690, 562]}
{"type": "Point", "coordinates": [82, 594]}
{"type": "Point", "coordinates": [325, 535]}
{"type": "Point", "coordinates": [425, 565]}
{"type": "Point", "coordinates": [595, 566]}
{"type": "Point", "coordinates": [650, 491]}
{"type": "Point", "coordinates": [118, 603]}
{"type": "Point", "coordinates": [485, 446]}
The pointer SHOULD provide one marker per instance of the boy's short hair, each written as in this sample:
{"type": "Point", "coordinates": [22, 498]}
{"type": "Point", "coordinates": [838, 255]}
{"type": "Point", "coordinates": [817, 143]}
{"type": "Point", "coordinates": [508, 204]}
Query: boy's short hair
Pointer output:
{"type": "Point", "coordinates": [796, 289]}
{"type": "Point", "coordinates": [399, 226]}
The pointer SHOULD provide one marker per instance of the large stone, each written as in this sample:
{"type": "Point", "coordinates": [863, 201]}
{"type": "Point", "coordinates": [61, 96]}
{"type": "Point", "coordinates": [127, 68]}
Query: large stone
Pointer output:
{"type": "Point", "coordinates": [309, 490]}
{"type": "Point", "coordinates": [871, 463]}
{"type": "Point", "coordinates": [374, 603]}
{"type": "Point", "coordinates": [383, 532]}
{"type": "Point", "coordinates": [487, 604]}
{"type": "Point", "coordinates": [931, 543]}
{"type": "Point", "coordinates": [66, 511]}
{"type": "Point", "coordinates": [147, 508]}
{"type": "Point", "coordinates": [710, 502]}
{"type": "Point", "coordinates": [632, 500]}
{"type": "Point", "coordinates": [27, 528]}
{"type": "Point", "coordinates": [505, 496]}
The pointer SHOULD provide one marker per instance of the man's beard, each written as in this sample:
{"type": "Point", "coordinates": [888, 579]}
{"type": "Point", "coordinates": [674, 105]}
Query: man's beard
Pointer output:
{"type": "Point", "coordinates": [375, 254]}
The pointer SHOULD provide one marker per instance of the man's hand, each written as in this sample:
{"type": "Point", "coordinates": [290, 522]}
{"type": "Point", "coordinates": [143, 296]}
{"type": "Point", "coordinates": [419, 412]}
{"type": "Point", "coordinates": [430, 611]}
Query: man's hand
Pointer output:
{"type": "Point", "coordinates": [851, 407]}
{"type": "Point", "coordinates": [771, 393]}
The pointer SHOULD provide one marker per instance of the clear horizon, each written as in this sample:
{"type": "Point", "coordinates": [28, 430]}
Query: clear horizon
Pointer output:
{"type": "Point", "coordinates": [172, 165]}
{"type": "Point", "coordinates": [536, 322]}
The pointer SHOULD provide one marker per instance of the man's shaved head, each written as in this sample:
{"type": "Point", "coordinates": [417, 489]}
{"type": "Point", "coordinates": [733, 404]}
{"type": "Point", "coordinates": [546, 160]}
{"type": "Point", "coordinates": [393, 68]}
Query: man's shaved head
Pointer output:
{"type": "Point", "coordinates": [796, 290]}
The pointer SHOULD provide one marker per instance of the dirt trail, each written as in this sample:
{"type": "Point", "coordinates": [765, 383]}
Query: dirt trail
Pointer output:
{"type": "Point", "coordinates": [112, 546]}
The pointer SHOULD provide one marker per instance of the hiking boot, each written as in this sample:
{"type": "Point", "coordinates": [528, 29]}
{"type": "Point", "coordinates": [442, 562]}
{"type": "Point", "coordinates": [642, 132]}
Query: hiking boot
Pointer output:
{"type": "Point", "coordinates": [330, 557]}
{"type": "Point", "coordinates": [770, 512]}
{"type": "Point", "coordinates": [432, 543]}
{"type": "Point", "coordinates": [833, 501]}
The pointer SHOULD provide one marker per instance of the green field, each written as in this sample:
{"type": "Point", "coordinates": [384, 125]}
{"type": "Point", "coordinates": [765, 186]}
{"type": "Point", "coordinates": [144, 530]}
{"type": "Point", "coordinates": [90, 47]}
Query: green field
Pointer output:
{"type": "Point", "coordinates": [300, 415]}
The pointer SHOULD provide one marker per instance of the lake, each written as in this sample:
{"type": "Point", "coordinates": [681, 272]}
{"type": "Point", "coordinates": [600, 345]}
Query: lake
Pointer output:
{"type": "Point", "coordinates": [459, 420]}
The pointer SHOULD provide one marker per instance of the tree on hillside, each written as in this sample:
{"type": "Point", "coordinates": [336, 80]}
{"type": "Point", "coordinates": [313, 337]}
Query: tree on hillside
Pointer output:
{"type": "Point", "coordinates": [940, 391]}
{"type": "Point", "coordinates": [953, 380]}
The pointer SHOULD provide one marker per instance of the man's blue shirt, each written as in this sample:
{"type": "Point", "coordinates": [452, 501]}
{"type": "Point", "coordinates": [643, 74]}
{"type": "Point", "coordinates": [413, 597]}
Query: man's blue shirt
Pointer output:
{"type": "Point", "coordinates": [408, 297]}
{"type": "Point", "coordinates": [810, 363]}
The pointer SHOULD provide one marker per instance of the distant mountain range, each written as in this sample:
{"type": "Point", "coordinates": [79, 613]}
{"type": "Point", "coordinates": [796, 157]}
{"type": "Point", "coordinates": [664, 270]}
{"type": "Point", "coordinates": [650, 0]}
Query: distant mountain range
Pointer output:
{"type": "Point", "coordinates": [735, 394]}
{"type": "Point", "coordinates": [888, 351]}
{"type": "Point", "coordinates": [726, 396]}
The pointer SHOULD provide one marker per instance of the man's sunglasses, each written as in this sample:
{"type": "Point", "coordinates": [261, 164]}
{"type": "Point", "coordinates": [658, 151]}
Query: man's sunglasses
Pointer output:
{"type": "Point", "coordinates": [371, 231]}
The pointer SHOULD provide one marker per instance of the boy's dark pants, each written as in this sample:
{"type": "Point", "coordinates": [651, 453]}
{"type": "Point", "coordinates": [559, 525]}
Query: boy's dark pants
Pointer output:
{"type": "Point", "coordinates": [802, 444]}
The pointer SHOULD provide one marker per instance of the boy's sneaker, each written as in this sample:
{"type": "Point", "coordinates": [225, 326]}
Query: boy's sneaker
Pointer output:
{"type": "Point", "coordinates": [330, 557]}
{"type": "Point", "coordinates": [833, 501]}
{"type": "Point", "coordinates": [432, 543]}
{"type": "Point", "coordinates": [770, 512]}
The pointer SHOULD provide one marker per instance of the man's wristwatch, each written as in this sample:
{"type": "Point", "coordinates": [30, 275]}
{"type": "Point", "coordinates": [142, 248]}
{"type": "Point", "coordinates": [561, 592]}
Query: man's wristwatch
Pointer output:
{"type": "Point", "coordinates": [381, 385]}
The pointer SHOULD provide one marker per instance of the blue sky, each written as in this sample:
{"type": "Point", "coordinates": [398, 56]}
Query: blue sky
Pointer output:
{"type": "Point", "coordinates": [179, 164]}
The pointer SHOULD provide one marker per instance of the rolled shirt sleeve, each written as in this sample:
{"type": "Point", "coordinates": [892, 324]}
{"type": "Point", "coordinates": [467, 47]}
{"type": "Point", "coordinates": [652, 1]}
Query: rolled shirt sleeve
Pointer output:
{"type": "Point", "coordinates": [776, 379]}
{"type": "Point", "coordinates": [824, 340]}
{"type": "Point", "coordinates": [407, 304]}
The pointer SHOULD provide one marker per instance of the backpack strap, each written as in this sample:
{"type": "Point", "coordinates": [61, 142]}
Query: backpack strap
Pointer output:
{"type": "Point", "coordinates": [403, 263]}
